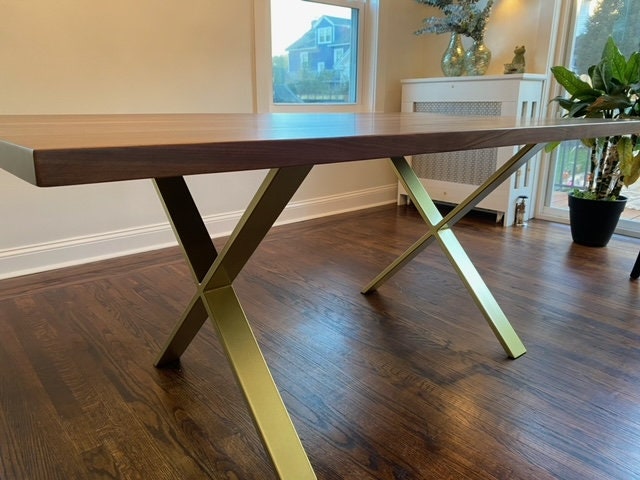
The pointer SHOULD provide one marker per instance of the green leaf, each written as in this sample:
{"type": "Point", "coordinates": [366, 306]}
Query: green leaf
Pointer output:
{"type": "Point", "coordinates": [589, 97]}
{"type": "Point", "coordinates": [634, 172]}
{"type": "Point", "coordinates": [584, 194]}
{"type": "Point", "coordinates": [564, 102]}
{"type": "Point", "coordinates": [571, 82]}
{"type": "Point", "coordinates": [629, 165]}
{"type": "Point", "coordinates": [632, 73]}
{"type": "Point", "coordinates": [578, 109]}
{"type": "Point", "coordinates": [588, 142]}
{"type": "Point", "coordinates": [595, 72]}
{"type": "Point", "coordinates": [601, 76]}
{"type": "Point", "coordinates": [625, 154]}
{"type": "Point", "coordinates": [549, 147]}
{"type": "Point", "coordinates": [574, 108]}
{"type": "Point", "coordinates": [616, 60]}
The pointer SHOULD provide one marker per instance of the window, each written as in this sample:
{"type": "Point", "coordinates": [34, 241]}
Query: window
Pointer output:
{"type": "Point", "coordinates": [324, 35]}
{"type": "Point", "coordinates": [319, 27]}
{"type": "Point", "coordinates": [315, 59]}
{"type": "Point", "coordinates": [595, 21]}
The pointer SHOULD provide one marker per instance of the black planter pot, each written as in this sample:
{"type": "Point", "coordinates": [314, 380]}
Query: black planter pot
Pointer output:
{"type": "Point", "coordinates": [594, 221]}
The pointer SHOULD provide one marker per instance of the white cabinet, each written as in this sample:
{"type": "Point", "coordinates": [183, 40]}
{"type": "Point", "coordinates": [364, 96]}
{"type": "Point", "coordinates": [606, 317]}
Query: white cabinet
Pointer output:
{"type": "Point", "coordinates": [450, 177]}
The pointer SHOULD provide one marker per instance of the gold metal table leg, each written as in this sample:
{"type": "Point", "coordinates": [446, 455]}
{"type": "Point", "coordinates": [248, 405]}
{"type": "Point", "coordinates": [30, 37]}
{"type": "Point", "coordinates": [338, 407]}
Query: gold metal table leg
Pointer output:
{"type": "Point", "coordinates": [261, 394]}
{"type": "Point", "coordinates": [199, 252]}
{"type": "Point", "coordinates": [183, 333]}
{"type": "Point", "coordinates": [216, 299]}
{"type": "Point", "coordinates": [187, 224]}
{"type": "Point", "coordinates": [440, 230]}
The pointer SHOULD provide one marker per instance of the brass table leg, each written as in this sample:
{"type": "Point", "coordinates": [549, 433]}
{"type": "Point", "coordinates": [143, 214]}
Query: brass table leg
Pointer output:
{"type": "Point", "coordinates": [440, 230]}
{"type": "Point", "coordinates": [199, 252]}
{"type": "Point", "coordinates": [216, 299]}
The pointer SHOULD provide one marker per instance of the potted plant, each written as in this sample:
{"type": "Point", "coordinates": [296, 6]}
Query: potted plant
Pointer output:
{"type": "Point", "coordinates": [609, 90]}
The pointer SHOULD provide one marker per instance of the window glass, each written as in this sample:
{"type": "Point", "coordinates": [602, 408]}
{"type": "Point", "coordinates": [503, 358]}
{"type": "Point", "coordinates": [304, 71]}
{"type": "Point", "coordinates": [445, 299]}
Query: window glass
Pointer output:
{"type": "Point", "coordinates": [596, 20]}
{"type": "Point", "coordinates": [314, 52]}
{"type": "Point", "coordinates": [324, 35]}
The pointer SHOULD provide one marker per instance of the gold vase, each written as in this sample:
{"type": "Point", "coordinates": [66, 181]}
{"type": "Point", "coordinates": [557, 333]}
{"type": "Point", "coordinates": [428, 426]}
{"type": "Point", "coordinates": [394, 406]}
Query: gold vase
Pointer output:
{"type": "Point", "coordinates": [453, 58]}
{"type": "Point", "coordinates": [477, 58]}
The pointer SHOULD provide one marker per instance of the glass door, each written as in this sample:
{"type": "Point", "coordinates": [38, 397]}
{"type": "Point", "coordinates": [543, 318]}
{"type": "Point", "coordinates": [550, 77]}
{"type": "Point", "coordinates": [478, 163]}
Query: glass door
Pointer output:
{"type": "Point", "coordinates": [594, 22]}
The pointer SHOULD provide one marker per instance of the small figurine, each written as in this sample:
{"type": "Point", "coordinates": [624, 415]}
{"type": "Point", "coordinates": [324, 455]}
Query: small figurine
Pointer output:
{"type": "Point", "coordinates": [517, 64]}
{"type": "Point", "coordinates": [521, 208]}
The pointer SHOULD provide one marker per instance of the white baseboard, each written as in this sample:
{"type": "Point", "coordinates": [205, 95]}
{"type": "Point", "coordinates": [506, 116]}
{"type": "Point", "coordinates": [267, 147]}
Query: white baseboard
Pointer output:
{"type": "Point", "coordinates": [75, 251]}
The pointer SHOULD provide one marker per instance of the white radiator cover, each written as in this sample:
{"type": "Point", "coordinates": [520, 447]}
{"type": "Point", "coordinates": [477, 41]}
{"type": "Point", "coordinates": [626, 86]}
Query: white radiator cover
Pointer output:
{"type": "Point", "coordinates": [450, 177]}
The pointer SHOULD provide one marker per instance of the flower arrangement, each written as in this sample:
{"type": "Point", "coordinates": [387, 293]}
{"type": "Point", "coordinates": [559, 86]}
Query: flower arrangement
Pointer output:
{"type": "Point", "coordinates": [465, 17]}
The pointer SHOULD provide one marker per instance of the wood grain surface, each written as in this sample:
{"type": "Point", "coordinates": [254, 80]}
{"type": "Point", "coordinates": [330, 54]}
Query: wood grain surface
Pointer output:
{"type": "Point", "coordinates": [75, 149]}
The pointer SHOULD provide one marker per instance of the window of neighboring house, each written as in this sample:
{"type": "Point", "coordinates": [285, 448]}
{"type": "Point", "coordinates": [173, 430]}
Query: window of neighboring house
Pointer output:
{"type": "Point", "coordinates": [324, 35]}
{"type": "Point", "coordinates": [330, 29]}
{"type": "Point", "coordinates": [595, 20]}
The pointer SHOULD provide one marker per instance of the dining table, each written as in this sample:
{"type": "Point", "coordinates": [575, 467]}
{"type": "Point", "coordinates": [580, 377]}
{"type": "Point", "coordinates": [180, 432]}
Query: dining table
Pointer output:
{"type": "Point", "coordinates": [56, 151]}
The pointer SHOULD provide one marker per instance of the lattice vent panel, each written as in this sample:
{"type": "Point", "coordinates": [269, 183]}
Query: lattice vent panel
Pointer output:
{"type": "Point", "coordinates": [470, 167]}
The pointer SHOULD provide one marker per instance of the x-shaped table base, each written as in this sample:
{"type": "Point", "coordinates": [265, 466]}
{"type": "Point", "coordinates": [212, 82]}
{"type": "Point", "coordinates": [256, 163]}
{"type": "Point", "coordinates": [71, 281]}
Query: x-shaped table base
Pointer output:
{"type": "Point", "coordinates": [440, 230]}
{"type": "Point", "coordinates": [216, 299]}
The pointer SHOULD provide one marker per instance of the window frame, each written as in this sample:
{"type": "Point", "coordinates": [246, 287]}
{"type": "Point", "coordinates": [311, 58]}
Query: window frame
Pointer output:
{"type": "Point", "coordinates": [304, 59]}
{"type": "Point", "coordinates": [325, 35]}
{"type": "Point", "coordinates": [560, 51]}
{"type": "Point", "coordinates": [561, 55]}
{"type": "Point", "coordinates": [365, 79]}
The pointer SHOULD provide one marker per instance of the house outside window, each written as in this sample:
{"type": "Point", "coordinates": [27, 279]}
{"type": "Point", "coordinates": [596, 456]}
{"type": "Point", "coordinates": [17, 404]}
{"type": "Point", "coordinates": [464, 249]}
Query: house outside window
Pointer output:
{"type": "Point", "coordinates": [319, 63]}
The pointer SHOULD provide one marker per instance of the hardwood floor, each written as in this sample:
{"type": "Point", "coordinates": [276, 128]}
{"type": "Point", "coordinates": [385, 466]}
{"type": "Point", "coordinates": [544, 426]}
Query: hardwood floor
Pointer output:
{"type": "Point", "coordinates": [407, 383]}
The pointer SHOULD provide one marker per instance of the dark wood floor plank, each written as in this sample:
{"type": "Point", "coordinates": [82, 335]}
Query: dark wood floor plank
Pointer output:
{"type": "Point", "coordinates": [406, 383]}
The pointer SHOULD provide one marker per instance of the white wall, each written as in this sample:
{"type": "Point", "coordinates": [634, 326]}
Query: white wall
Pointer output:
{"type": "Point", "coordinates": [402, 54]}
{"type": "Point", "coordinates": [78, 56]}
{"type": "Point", "coordinates": [73, 56]}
